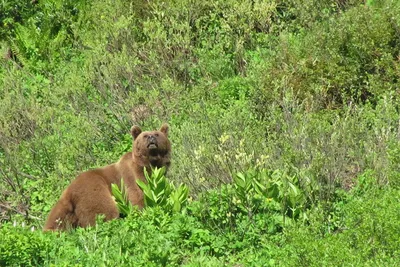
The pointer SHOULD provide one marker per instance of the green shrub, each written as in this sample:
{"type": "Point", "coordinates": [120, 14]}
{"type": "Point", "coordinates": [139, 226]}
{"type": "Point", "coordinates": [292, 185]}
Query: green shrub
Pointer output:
{"type": "Point", "coordinates": [20, 246]}
{"type": "Point", "coordinates": [270, 186]}
{"type": "Point", "coordinates": [14, 12]}
{"type": "Point", "coordinates": [336, 61]}
{"type": "Point", "coordinates": [45, 34]}
{"type": "Point", "coordinates": [121, 199]}
{"type": "Point", "coordinates": [368, 236]}
{"type": "Point", "coordinates": [158, 192]}
{"type": "Point", "coordinates": [263, 200]}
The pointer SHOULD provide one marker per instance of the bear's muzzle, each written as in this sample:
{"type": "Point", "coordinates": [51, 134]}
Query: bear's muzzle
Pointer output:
{"type": "Point", "coordinates": [152, 142]}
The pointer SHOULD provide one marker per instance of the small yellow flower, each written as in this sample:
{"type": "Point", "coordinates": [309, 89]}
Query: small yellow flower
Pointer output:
{"type": "Point", "coordinates": [241, 143]}
{"type": "Point", "coordinates": [224, 137]}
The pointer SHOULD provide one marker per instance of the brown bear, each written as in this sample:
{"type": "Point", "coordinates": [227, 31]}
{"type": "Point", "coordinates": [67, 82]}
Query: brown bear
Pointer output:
{"type": "Point", "coordinates": [90, 193]}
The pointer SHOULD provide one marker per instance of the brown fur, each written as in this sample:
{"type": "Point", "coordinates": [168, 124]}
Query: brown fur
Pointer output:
{"type": "Point", "coordinates": [90, 193]}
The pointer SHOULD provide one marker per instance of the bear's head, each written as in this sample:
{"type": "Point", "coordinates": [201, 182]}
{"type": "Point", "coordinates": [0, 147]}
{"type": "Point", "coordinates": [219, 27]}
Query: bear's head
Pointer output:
{"type": "Point", "coordinates": [152, 148]}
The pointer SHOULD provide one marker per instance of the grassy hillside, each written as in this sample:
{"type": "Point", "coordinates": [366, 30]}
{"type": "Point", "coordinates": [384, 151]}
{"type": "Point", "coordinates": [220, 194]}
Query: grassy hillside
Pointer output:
{"type": "Point", "coordinates": [301, 96]}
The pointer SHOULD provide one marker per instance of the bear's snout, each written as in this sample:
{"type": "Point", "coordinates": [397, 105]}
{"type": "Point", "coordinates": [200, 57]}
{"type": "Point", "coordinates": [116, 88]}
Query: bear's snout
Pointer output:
{"type": "Point", "coordinates": [152, 141]}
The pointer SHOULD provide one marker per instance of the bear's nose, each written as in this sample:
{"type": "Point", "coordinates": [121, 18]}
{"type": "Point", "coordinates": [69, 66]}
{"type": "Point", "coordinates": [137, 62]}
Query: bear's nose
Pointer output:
{"type": "Point", "coordinates": [152, 139]}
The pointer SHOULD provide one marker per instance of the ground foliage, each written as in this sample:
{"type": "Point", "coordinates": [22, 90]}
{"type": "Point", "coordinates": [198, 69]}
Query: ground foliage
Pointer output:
{"type": "Point", "coordinates": [284, 121]}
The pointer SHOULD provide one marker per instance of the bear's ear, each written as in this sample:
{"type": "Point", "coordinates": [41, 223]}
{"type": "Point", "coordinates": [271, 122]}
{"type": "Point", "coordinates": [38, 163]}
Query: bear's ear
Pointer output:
{"type": "Point", "coordinates": [164, 129]}
{"type": "Point", "coordinates": [135, 131]}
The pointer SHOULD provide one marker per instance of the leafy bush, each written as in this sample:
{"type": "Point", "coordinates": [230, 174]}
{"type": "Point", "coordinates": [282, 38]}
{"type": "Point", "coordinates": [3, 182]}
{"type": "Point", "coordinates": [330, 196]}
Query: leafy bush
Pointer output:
{"type": "Point", "coordinates": [360, 242]}
{"type": "Point", "coordinates": [121, 199]}
{"type": "Point", "coordinates": [260, 199]}
{"type": "Point", "coordinates": [42, 33]}
{"type": "Point", "coordinates": [158, 192]}
{"type": "Point", "coordinates": [20, 246]}
{"type": "Point", "coordinates": [270, 186]}
{"type": "Point", "coordinates": [337, 61]}
{"type": "Point", "coordinates": [14, 12]}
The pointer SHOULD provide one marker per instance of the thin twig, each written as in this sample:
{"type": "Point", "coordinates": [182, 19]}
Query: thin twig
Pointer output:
{"type": "Point", "coordinates": [28, 176]}
{"type": "Point", "coordinates": [25, 214]}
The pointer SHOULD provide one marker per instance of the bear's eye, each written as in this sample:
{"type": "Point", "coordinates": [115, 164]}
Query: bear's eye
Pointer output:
{"type": "Point", "coordinates": [156, 134]}
{"type": "Point", "coordinates": [145, 136]}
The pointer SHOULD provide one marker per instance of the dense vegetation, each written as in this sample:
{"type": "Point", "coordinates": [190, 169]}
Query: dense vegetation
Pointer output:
{"type": "Point", "coordinates": [284, 116]}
